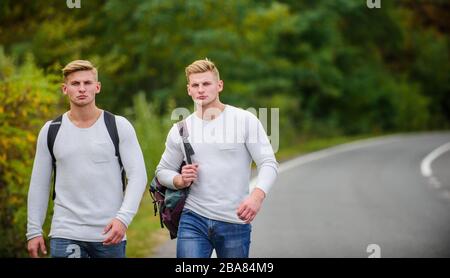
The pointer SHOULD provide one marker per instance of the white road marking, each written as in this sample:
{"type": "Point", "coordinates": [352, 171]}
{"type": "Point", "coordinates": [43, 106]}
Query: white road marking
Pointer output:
{"type": "Point", "coordinates": [425, 166]}
{"type": "Point", "coordinates": [333, 151]}
{"type": "Point", "coordinates": [288, 165]}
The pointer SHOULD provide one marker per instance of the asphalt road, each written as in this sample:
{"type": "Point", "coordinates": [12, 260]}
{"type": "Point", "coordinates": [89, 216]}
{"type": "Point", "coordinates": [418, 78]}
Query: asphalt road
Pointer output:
{"type": "Point", "coordinates": [341, 201]}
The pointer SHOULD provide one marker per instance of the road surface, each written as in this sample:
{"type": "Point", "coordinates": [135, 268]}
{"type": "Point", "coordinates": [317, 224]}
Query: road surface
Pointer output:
{"type": "Point", "coordinates": [370, 194]}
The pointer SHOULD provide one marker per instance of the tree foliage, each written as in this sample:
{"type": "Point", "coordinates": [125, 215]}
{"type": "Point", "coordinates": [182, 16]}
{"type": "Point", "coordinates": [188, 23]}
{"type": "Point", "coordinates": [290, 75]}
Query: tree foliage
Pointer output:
{"type": "Point", "coordinates": [343, 68]}
{"type": "Point", "coordinates": [28, 98]}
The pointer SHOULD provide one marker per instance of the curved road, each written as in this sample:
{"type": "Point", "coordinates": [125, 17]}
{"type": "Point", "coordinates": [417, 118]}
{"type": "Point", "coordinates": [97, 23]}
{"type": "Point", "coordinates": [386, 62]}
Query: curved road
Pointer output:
{"type": "Point", "coordinates": [337, 202]}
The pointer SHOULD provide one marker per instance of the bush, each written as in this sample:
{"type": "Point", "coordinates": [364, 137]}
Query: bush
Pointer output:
{"type": "Point", "coordinates": [26, 94]}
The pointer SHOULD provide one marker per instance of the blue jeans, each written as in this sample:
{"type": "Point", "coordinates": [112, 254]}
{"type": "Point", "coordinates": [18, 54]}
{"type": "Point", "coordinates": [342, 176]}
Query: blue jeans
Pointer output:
{"type": "Point", "coordinates": [198, 236]}
{"type": "Point", "coordinates": [68, 248]}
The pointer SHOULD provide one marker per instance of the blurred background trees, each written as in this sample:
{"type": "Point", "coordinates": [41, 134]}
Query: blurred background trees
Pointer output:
{"type": "Point", "coordinates": [27, 99]}
{"type": "Point", "coordinates": [330, 60]}
{"type": "Point", "coordinates": [332, 67]}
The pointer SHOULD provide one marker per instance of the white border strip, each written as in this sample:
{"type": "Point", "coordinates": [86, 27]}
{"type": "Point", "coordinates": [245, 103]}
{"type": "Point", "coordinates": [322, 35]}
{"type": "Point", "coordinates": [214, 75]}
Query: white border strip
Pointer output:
{"type": "Point", "coordinates": [425, 166]}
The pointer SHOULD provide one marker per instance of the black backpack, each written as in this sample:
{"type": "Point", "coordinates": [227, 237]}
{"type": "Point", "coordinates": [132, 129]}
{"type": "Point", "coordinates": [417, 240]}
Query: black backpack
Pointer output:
{"type": "Point", "coordinates": [169, 202]}
{"type": "Point", "coordinates": [110, 122]}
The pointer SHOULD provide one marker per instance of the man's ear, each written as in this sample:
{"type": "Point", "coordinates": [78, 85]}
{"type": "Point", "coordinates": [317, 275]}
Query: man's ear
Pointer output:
{"type": "Point", "coordinates": [187, 86]}
{"type": "Point", "coordinates": [64, 88]}
{"type": "Point", "coordinates": [220, 83]}
{"type": "Point", "coordinates": [99, 87]}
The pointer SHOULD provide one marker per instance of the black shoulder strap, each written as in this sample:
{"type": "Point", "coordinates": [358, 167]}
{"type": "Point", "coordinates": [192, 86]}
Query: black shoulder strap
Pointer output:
{"type": "Point", "coordinates": [110, 122]}
{"type": "Point", "coordinates": [184, 133]}
{"type": "Point", "coordinates": [51, 136]}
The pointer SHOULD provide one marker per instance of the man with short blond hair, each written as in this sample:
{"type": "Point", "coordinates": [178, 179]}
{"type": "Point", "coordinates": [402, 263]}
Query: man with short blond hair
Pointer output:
{"type": "Point", "coordinates": [201, 66]}
{"type": "Point", "coordinates": [92, 208]}
{"type": "Point", "coordinates": [79, 65]}
{"type": "Point", "coordinates": [225, 139]}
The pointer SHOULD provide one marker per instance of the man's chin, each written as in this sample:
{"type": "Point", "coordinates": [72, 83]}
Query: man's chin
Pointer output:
{"type": "Point", "coordinates": [81, 104]}
{"type": "Point", "coordinates": [200, 102]}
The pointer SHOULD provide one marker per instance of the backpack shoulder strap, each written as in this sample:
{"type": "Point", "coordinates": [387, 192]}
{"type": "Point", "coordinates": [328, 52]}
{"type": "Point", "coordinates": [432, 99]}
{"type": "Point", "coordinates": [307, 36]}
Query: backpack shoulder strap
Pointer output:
{"type": "Point", "coordinates": [182, 129]}
{"type": "Point", "coordinates": [51, 136]}
{"type": "Point", "coordinates": [110, 122]}
{"type": "Point", "coordinates": [184, 133]}
{"type": "Point", "coordinates": [111, 126]}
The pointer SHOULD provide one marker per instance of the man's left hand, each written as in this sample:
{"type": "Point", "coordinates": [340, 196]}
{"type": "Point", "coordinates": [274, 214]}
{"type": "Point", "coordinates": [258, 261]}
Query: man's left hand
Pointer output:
{"type": "Point", "coordinates": [250, 206]}
{"type": "Point", "coordinates": [116, 231]}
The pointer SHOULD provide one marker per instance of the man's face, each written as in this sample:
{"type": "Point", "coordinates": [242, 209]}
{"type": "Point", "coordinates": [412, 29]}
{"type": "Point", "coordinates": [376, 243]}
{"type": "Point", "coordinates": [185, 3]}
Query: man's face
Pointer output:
{"type": "Point", "coordinates": [81, 87]}
{"type": "Point", "coordinates": [204, 88]}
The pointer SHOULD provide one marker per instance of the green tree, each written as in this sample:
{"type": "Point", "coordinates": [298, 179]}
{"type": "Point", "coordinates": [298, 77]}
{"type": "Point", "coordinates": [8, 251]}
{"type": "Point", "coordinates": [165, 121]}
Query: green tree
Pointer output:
{"type": "Point", "coordinates": [28, 98]}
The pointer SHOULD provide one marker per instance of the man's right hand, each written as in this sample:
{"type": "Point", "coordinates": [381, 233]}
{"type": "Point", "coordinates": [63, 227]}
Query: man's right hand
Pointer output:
{"type": "Point", "coordinates": [187, 177]}
{"type": "Point", "coordinates": [36, 244]}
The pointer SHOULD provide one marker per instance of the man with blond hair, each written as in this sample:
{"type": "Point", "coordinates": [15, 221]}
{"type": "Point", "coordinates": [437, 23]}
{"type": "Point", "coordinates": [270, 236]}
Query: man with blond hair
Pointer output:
{"type": "Point", "coordinates": [225, 139]}
{"type": "Point", "coordinates": [87, 150]}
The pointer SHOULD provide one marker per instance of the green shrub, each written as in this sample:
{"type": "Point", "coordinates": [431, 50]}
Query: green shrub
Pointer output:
{"type": "Point", "coordinates": [27, 99]}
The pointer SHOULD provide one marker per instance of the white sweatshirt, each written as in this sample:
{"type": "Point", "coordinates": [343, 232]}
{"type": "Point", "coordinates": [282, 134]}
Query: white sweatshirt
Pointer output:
{"type": "Point", "coordinates": [224, 149]}
{"type": "Point", "coordinates": [89, 190]}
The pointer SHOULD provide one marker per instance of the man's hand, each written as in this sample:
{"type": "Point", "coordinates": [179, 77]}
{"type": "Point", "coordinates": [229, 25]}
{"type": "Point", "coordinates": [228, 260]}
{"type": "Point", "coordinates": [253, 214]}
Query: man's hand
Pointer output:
{"type": "Point", "coordinates": [36, 244]}
{"type": "Point", "coordinates": [187, 177]}
{"type": "Point", "coordinates": [250, 206]}
{"type": "Point", "coordinates": [116, 231]}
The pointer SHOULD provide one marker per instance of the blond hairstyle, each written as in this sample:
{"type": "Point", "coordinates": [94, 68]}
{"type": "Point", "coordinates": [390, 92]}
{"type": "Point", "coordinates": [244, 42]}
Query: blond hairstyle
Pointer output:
{"type": "Point", "coordinates": [79, 65]}
{"type": "Point", "coordinates": [201, 66]}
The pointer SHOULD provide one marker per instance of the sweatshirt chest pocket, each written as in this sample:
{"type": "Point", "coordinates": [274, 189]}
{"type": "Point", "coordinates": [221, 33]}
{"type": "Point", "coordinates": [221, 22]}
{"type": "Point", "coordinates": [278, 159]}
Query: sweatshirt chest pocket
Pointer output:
{"type": "Point", "coordinates": [228, 147]}
{"type": "Point", "coordinates": [101, 152]}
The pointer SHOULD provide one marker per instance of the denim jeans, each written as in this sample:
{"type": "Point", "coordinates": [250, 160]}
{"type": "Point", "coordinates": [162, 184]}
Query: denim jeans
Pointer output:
{"type": "Point", "coordinates": [68, 248]}
{"type": "Point", "coordinates": [198, 236]}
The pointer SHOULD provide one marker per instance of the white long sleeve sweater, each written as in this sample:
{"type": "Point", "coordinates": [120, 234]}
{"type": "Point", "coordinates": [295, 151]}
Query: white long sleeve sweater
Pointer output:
{"type": "Point", "coordinates": [89, 190]}
{"type": "Point", "coordinates": [224, 149]}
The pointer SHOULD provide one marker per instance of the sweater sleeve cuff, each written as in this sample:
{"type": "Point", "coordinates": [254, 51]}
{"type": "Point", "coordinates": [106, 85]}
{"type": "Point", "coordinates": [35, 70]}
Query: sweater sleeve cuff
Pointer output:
{"type": "Point", "coordinates": [33, 235]}
{"type": "Point", "coordinates": [266, 178]}
{"type": "Point", "coordinates": [166, 179]}
{"type": "Point", "coordinates": [123, 219]}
